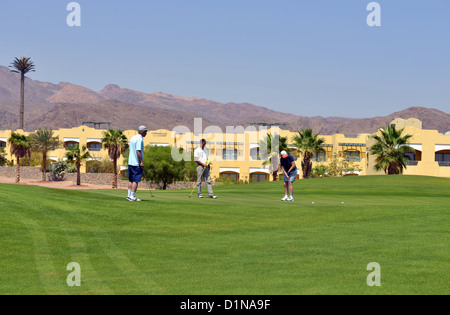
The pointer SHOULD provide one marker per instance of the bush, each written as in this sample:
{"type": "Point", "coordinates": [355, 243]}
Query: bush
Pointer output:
{"type": "Point", "coordinates": [103, 167]}
{"type": "Point", "coordinates": [71, 168]}
{"type": "Point", "coordinates": [229, 181]}
{"type": "Point", "coordinates": [319, 171]}
{"type": "Point", "coordinates": [335, 168]}
{"type": "Point", "coordinates": [35, 160]}
{"type": "Point", "coordinates": [161, 168]}
{"type": "Point", "coordinates": [225, 181]}
{"type": "Point", "coordinates": [189, 172]}
{"type": "Point", "coordinates": [58, 170]}
{"type": "Point", "coordinates": [3, 159]}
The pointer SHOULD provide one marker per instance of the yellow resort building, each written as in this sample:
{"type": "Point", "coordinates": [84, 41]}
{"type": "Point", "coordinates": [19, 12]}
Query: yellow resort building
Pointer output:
{"type": "Point", "coordinates": [236, 155]}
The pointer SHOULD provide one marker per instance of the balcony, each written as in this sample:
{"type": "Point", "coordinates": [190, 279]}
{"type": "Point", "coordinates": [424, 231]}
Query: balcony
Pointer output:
{"type": "Point", "coordinates": [353, 159]}
{"type": "Point", "coordinates": [444, 163]}
{"type": "Point", "coordinates": [232, 156]}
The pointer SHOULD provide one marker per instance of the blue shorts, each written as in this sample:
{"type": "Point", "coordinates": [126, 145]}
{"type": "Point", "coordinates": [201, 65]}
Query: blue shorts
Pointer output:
{"type": "Point", "coordinates": [292, 176]}
{"type": "Point", "coordinates": [135, 174]}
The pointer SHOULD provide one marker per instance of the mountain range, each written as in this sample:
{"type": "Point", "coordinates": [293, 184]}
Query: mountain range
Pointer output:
{"type": "Point", "coordinates": [67, 105]}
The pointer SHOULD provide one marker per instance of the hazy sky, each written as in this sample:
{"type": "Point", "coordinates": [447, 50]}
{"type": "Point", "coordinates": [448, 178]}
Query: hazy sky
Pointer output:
{"type": "Point", "coordinates": [305, 57]}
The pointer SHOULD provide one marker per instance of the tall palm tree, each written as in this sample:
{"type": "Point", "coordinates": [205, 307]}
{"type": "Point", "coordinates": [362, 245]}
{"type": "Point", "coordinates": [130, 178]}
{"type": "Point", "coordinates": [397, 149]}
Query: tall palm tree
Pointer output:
{"type": "Point", "coordinates": [390, 150]}
{"type": "Point", "coordinates": [308, 144]}
{"type": "Point", "coordinates": [76, 155]}
{"type": "Point", "coordinates": [116, 142]}
{"type": "Point", "coordinates": [22, 66]}
{"type": "Point", "coordinates": [43, 141]}
{"type": "Point", "coordinates": [272, 158]}
{"type": "Point", "coordinates": [20, 148]}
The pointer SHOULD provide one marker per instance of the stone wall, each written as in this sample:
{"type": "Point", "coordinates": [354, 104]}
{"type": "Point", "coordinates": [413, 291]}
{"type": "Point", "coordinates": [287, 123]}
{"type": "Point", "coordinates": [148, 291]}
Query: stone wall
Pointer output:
{"type": "Point", "coordinates": [35, 173]}
{"type": "Point", "coordinates": [25, 172]}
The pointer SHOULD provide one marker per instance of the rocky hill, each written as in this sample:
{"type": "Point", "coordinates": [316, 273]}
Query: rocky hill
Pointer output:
{"type": "Point", "coordinates": [66, 105]}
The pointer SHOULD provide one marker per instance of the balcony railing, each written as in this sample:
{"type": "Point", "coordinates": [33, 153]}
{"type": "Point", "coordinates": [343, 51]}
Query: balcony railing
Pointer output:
{"type": "Point", "coordinates": [444, 164]}
{"type": "Point", "coordinates": [353, 159]}
{"type": "Point", "coordinates": [230, 156]}
{"type": "Point", "coordinates": [412, 163]}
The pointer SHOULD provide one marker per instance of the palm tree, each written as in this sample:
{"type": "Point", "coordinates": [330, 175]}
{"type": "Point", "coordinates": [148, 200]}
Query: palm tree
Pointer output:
{"type": "Point", "coordinates": [22, 66]}
{"type": "Point", "coordinates": [308, 144]}
{"type": "Point", "coordinates": [390, 150]}
{"type": "Point", "coordinates": [43, 141]}
{"type": "Point", "coordinates": [116, 143]}
{"type": "Point", "coordinates": [77, 156]}
{"type": "Point", "coordinates": [20, 148]}
{"type": "Point", "coordinates": [272, 158]}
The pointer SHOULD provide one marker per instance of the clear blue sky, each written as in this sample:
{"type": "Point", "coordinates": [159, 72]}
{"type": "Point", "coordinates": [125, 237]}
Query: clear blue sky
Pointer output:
{"type": "Point", "coordinates": [305, 57]}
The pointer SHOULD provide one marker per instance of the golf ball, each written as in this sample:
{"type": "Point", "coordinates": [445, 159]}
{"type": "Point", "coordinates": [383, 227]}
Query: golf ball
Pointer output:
{"type": "Point", "coordinates": [313, 203]}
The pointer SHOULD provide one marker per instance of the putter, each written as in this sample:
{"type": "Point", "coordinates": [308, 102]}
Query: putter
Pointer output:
{"type": "Point", "coordinates": [195, 186]}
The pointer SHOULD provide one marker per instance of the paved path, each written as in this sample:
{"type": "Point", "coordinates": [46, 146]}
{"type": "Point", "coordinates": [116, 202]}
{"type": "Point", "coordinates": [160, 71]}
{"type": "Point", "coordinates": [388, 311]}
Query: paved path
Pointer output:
{"type": "Point", "coordinates": [56, 185]}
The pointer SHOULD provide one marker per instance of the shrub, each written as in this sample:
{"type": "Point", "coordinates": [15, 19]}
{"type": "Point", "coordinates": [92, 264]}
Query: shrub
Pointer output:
{"type": "Point", "coordinates": [101, 167]}
{"type": "Point", "coordinates": [225, 181]}
{"type": "Point", "coordinates": [3, 159]}
{"type": "Point", "coordinates": [161, 168]}
{"type": "Point", "coordinates": [35, 160]}
{"type": "Point", "coordinates": [335, 168]}
{"type": "Point", "coordinates": [319, 171]}
{"type": "Point", "coordinates": [71, 168]}
{"type": "Point", "coordinates": [58, 170]}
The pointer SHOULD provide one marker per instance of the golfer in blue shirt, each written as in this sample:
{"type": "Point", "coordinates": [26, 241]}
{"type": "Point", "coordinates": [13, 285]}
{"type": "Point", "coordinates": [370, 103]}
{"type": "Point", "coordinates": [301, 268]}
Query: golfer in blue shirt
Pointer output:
{"type": "Point", "coordinates": [136, 162]}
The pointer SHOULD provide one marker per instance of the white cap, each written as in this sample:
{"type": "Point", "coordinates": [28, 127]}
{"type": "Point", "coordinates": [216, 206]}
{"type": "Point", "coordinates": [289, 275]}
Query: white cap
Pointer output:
{"type": "Point", "coordinates": [283, 153]}
{"type": "Point", "coordinates": [142, 129]}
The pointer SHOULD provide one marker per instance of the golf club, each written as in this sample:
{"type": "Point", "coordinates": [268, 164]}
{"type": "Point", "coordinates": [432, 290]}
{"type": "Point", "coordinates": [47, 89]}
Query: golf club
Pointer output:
{"type": "Point", "coordinates": [195, 185]}
{"type": "Point", "coordinates": [148, 184]}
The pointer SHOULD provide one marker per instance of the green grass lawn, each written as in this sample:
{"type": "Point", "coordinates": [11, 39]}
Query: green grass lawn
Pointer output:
{"type": "Point", "coordinates": [246, 242]}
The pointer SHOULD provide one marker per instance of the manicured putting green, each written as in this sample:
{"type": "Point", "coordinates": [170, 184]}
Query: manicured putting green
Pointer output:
{"type": "Point", "coordinates": [245, 242]}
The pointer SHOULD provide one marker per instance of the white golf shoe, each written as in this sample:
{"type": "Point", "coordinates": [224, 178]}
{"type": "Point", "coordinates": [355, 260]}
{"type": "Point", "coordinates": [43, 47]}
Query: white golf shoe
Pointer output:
{"type": "Point", "coordinates": [134, 199]}
{"type": "Point", "coordinates": [286, 198]}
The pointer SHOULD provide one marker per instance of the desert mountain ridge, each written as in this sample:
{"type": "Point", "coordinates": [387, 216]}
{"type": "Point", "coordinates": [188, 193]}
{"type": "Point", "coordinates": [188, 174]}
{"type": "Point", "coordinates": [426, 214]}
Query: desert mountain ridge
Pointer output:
{"type": "Point", "coordinates": [66, 105]}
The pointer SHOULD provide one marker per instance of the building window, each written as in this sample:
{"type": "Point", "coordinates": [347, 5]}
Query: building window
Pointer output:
{"type": "Point", "coordinates": [71, 144]}
{"type": "Point", "coordinates": [258, 178]}
{"type": "Point", "coordinates": [411, 159]}
{"type": "Point", "coordinates": [230, 151]}
{"type": "Point", "coordinates": [191, 146]}
{"type": "Point", "coordinates": [255, 154]}
{"type": "Point", "coordinates": [3, 145]}
{"type": "Point", "coordinates": [95, 146]}
{"type": "Point", "coordinates": [320, 157]}
{"type": "Point", "coordinates": [443, 159]}
{"type": "Point", "coordinates": [352, 156]}
{"type": "Point", "coordinates": [230, 155]}
{"type": "Point", "coordinates": [410, 156]}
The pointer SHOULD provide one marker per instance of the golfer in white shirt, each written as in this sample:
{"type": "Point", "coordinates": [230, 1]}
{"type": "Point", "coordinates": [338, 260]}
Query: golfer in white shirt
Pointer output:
{"type": "Point", "coordinates": [201, 156]}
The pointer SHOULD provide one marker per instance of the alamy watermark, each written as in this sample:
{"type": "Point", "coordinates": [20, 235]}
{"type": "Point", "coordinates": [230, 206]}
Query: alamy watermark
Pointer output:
{"type": "Point", "coordinates": [74, 278]}
{"type": "Point", "coordinates": [374, 278]}
{"type": "Point", "coordinates": [374, 17]}
{"type": "Point", "coordinates": [74, 17]}
{"type": "Point", "coordinates": [230, 144]}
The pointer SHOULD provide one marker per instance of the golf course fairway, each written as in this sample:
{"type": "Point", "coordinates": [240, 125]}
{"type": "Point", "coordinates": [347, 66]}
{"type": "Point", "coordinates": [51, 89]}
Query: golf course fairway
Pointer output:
{"type": "Point", "coordinates": [245, 242]}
